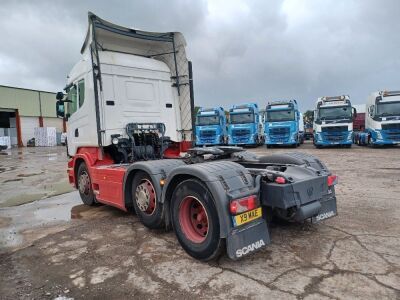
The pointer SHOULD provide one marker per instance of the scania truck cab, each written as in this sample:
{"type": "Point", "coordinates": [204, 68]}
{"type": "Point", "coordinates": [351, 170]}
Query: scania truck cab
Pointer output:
{"type": "Point", "coordinates": [245, 126]}
{"type": "Point", "coordinates": [333, 122]}
{"type": "Point", "coordinates": [282, 123]}
{"type": "Point", "coordinates": [382, 120]}
{"type": "Point", "coordinates": [129, 106]}
{"type": "Point", "coordinates": [211, 127]}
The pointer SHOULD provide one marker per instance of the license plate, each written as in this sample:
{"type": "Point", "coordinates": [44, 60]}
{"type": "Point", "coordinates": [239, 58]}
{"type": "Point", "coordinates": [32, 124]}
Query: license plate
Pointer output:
{"type": "Point", "coordinates": [246, 217]}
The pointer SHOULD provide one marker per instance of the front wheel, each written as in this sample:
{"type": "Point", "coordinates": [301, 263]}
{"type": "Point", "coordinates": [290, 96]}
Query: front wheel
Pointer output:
{"type": "Point", "coordinates": [147, 208]}
{"type": "Point", "coordinates": [85, 185]}
{"type": "Point", "coordinates": [195, 220]}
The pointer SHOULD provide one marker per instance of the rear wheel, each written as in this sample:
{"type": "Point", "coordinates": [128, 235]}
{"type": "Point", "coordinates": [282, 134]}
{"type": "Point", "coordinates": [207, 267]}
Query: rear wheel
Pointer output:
{"type": "Point", "coordinates": [147, 208]}
{"type": "Point", "coordinates": [195, 220]}
{"type": "Point", "coordinates": [85, 185]}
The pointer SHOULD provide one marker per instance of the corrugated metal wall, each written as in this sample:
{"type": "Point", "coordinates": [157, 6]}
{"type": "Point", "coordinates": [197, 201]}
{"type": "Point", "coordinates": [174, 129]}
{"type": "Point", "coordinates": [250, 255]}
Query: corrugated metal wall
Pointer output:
{"type": "Point", "coordinates": [31, 104]}
{"type": "Point", "coordinates": [28, 101]}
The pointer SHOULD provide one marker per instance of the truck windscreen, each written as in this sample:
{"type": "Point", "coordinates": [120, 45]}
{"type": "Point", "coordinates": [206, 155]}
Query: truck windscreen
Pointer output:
{"type": "Point", "coordinates": [334, 113]}
{"type": "Point", "coordinates": [388, 109]}
{"type": "Point", "coordinates": [207, 120]}
{"type": "Point", "coordinates": [241, 118]}
{"type": "Point", "coordinates": [280, 115]}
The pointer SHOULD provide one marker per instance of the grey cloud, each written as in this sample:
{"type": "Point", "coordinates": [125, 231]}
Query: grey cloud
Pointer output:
{"type": "Point", "coordinates": [241, 50]}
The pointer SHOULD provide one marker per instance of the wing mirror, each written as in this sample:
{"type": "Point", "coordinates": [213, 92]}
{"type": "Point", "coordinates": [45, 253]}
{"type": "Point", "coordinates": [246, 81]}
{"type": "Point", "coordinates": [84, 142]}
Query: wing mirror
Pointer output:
{"type": "Point", "coordinates": [60, 109]}
{"type": "Point", "coordinates": [60, 106]}
{"type": "Point", "coordinates": [354, 113]}
{"type": "Point", "coordinates": [371, 110]}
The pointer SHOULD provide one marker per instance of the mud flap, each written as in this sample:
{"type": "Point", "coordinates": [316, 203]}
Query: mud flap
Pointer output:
{"type": "Point", "coordinates": [246, 240]}
{"type": "Point", "coordinates": [328, 210]}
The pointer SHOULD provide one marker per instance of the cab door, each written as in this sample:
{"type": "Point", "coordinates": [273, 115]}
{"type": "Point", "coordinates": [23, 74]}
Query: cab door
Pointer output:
{"type": "Point", "coordinates": [80, 114]}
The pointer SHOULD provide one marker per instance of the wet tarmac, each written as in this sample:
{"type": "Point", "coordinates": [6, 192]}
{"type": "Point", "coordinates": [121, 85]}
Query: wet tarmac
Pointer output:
{"type": "Point", "coordinates": [29, 174]}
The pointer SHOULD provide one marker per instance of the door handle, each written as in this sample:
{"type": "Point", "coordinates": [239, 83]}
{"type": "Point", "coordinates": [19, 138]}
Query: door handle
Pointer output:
{"type": "Point", "coordinates": [76, 132]}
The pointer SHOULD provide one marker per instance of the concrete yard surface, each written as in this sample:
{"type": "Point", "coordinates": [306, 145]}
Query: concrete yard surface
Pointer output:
{"type": "Point", "coordinates": [29, 174]}
{"type": "Point", "coordinates": [106, 253]}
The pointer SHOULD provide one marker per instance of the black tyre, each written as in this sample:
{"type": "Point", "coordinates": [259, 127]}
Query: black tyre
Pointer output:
{"type": "Point", "coordinates": [195, 220]}
{"type": "Point", "coordinates": [145, 201]}
{"type": "Point", "coordinates": [85, 185]}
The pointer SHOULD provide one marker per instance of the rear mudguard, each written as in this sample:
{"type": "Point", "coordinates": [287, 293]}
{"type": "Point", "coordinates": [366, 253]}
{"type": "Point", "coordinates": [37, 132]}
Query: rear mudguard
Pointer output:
{"type": "Point", "coordinates": [225, 180]}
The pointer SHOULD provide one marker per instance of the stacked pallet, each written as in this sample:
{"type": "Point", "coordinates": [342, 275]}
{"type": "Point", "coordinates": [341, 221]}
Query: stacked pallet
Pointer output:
{"type": "Point", "coordinates": [45, 136]}
{"type": "Point", "coordinates": [5, 141]}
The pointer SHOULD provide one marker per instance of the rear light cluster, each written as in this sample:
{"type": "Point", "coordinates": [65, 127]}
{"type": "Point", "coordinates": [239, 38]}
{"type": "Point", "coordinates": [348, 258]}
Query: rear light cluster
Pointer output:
{"type": "Point", "coordinates": [332, 180]}
{"type": "Point", "coordinates": [280, 180]}
{"type": "Point", "coordinates": [238, 206]}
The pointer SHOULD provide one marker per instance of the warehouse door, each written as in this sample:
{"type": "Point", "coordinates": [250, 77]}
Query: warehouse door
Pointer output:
{"type": "Point", "coordinates": [8, 126]}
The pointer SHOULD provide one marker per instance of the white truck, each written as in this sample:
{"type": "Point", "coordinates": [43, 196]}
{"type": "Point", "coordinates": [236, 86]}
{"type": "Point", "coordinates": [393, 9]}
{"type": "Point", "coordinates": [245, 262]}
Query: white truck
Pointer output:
{"type": "Point", "coordinates": [333, 122]}
{"type": "Point", "coordinates": [129, 106]}
{"type": "Point", "coordinates": [382, 120]}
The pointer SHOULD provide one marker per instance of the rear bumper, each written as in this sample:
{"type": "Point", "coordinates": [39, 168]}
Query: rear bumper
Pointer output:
{"type": "Point", "coordinates": [240, 140]}
{"type": "Point", "coordinates": [307, 199]}
{"type": "Point", "coordinates": [384, 142]}
{"type": "Point", "coordinates": [326, 143]}
{"type": "Point", "coordinates": [280, 143]}
{"type": "Point", "coordinates": [333, 138]}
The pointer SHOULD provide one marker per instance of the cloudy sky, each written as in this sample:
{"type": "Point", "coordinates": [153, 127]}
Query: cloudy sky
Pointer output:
{"type": "Point", "coordinates": [241, 50]}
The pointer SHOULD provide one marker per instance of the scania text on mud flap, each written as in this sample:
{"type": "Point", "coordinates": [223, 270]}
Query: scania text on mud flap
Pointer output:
{"type": "Point", "coordinates": [129, 105]}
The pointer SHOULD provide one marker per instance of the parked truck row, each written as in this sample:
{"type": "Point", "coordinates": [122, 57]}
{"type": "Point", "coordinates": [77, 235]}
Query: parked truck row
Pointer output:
{"type": "Point", "coordinates": [338, 123]}
{"type": "Point", "coordinates": [244, 125]}
{"type": "Point", "coordinates": [129, 107]}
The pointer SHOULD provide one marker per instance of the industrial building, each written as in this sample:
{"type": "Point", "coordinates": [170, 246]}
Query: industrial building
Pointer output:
{"type": "Point", "coordinates": [21, 110]}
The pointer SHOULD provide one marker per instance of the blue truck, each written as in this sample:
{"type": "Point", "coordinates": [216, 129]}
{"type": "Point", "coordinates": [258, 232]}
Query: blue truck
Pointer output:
{"type": "Point", "coordinates": [245, 125]}
{"type": "Point", "coordinates": [211, 126]}
{"type": "Point", "coordinates": [382, 120]}
{"type": "Point", "coordinates": [282, 124]}
{"type": "Point", "coordinates": [333, 122]}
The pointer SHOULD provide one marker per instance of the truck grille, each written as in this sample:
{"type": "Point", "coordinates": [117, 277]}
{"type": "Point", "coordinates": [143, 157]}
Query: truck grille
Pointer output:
{"type": "Point", "coordinates": [335, 133]}
{"type": "Point", "coordinates": [279, 134]}
{"type": "Point", "coordinates": [337, 137]}
{"type": "Point", "coordinates": [334, 128]}
{"type": "Point", "coordinates": [282, 131]}
{"type": "Point", "coordinates": [241, 132]}
{"type": "Point", "coordinates": [393, 136]}
{"type": "Point", "coordinates": [395, 126]}
{"type": "Point", "coordinates": [207, 133]}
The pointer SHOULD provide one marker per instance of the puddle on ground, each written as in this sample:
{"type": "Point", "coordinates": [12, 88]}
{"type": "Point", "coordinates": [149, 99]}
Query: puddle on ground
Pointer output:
{"type": "Point", "coordinates": [37, 216]}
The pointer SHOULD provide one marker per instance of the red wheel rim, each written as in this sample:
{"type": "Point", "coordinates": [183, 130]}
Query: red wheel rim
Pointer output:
{"type": "Point", "coordinates": [193, 219]}
{"type": "Point", "coordinates": [145, 197]}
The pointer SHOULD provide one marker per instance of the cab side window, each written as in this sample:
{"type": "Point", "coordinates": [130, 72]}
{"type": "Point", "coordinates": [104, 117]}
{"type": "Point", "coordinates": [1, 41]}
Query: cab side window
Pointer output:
{"type": "Point", "coordinates": [81, 92]}
{"type": "Point", "coordinates": [76, 95]}
{"type": "Point", "coordinates": [73, 97]}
